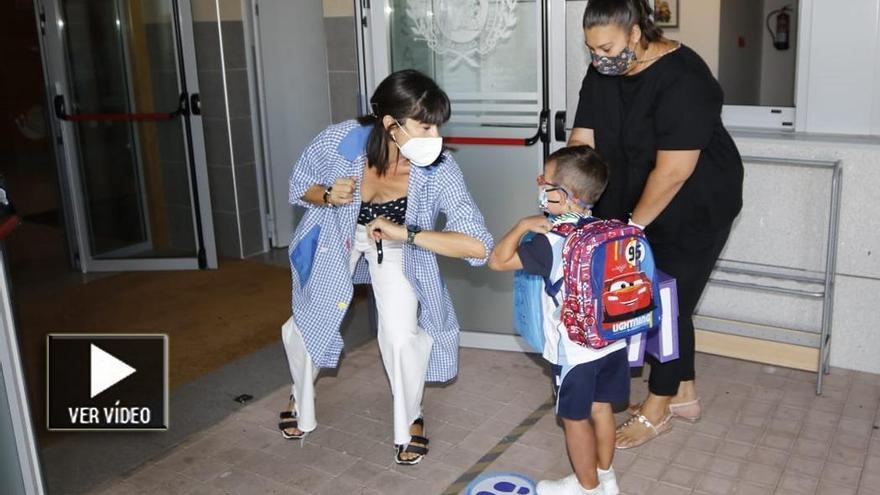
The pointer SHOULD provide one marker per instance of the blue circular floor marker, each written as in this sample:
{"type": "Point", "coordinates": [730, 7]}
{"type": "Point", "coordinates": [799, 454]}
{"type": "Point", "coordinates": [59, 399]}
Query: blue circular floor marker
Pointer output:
{"type": "Point", "coordinates": [501, 484]}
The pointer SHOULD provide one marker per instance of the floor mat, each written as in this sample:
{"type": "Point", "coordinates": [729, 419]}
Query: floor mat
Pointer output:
{"type": "Point", "coordinates": [212, 317]}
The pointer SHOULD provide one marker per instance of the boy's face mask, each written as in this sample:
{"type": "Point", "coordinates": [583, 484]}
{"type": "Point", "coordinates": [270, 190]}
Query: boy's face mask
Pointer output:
{"type": "Point", "coordinates": [544, 187]}
{"type": "Point", "coordinates": [544, 200]}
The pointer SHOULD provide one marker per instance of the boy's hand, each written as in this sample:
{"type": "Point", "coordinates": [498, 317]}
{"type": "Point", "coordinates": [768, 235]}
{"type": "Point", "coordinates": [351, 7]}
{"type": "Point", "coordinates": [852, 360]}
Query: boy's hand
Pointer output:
{"type": "Point", "coordinates": [505, 257]}
{"type": "Point", "coordinates": [536, 223]}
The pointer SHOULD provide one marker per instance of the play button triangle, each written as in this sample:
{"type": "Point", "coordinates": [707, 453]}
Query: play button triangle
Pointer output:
{"type": "Point", "coordinates": [106, 370]}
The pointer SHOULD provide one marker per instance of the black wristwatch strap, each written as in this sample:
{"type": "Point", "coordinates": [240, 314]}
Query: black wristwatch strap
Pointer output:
{"type": "Point", "coordinates": [327, 195]}
{"type": "Point", "coordinates": [411, 231]}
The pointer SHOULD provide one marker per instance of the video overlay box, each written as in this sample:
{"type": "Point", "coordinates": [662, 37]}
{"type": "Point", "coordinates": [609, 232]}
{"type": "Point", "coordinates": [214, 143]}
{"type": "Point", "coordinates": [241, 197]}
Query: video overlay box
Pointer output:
{"type": "Point", "coordinates": [107, 382]}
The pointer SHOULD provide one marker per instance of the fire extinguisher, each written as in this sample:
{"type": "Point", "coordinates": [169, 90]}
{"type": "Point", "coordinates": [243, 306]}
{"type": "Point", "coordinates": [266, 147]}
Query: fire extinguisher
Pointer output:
{"type": "Point", "coordinates": [780, 36]}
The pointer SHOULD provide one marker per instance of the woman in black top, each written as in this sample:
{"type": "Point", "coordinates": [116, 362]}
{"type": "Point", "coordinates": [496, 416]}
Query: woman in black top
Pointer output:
{"type": "Point", "coordinates": [652, 108]}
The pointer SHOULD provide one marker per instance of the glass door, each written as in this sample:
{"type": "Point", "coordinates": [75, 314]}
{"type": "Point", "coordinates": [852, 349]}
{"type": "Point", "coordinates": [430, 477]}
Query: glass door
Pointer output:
{"type": "Point", "coordinates": [502, 62]}
{"type": "Point", "coordinates": [125, 95]}
{"type": "Point", "coordinates": [573, 61]}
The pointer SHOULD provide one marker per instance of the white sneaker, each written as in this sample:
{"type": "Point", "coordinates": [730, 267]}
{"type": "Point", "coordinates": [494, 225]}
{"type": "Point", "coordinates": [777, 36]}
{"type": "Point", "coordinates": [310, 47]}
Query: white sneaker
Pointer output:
{"type": "Point", "coordinates": [566, 486]}
{"type": "Point", "coordinates": [609, 481]}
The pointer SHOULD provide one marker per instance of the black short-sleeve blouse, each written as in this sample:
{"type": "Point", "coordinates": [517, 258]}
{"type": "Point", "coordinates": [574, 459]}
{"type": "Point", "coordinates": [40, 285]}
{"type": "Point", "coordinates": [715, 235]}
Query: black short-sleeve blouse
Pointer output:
{"type": "Point", "coordinates": [674, 104]}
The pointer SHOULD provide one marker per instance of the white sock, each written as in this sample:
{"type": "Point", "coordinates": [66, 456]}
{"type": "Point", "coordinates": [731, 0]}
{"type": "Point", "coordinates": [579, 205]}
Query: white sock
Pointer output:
{"type": "Point", "coordinates": [608, 481]}
{"type": "Point", "coordinates": [595, 491]}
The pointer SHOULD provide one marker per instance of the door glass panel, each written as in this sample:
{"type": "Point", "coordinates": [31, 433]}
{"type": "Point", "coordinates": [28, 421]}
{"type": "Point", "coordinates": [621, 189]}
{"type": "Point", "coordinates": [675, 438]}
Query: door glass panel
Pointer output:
{"type": "Point", "coordinates": [487, 55]}
{"type": "Point", "coordinates": [121, 58]}
{"type": "Point", "coordinates": [484, 53]}
{"type": "Point", "coordinates": [577, 57]}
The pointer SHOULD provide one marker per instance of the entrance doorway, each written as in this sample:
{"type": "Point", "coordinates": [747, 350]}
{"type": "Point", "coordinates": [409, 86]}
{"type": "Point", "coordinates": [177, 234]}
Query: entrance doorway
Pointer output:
{"type": "Point", "coordinates": [123, 89]}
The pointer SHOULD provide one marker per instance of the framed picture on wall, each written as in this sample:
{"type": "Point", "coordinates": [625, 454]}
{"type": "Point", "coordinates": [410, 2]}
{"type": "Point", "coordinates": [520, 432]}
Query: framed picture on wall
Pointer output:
{"type": "Point", "coordinates": [666, 13]}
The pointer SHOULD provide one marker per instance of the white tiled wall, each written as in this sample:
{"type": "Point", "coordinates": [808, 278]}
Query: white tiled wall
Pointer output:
{"type": "Point", "coordinates": [855, 344]}
{"type": "Point", "coordinates": [781, 204]}
{"type": "Point", "coordinates": [783, 222]}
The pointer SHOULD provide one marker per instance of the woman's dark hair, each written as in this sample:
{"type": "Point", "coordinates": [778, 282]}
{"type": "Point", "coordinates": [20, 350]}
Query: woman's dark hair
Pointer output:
{"type": "Point", "coordinates": [624, 13]}
{"type": "Point", "coordinates": [581, 170]}
{"type": "Point", "coordinates": [405, 94]}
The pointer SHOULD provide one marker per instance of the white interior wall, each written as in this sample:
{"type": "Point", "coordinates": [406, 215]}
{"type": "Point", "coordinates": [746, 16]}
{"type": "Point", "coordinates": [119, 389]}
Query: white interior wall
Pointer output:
{"type": "Point", "coordinates": [338, 8]}
{"type": "Point", "coordinates": [699, 22]}
{"type": "Point", "coordinates": [778, 66]}
{"type": "Point", "coordinates": [739, 69]}
{"type": "Point", "coordinates": [842, 70]}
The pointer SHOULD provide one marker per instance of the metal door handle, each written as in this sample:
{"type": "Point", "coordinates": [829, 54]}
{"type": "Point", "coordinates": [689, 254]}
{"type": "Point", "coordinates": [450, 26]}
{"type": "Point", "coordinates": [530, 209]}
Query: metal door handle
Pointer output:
{"type": "Point", "coordinates": [195, 104]}
{"type": "Point", "coordinates": [542, 134]}
{"type": "Point", "coordinates": [559, 126]}
{"type": "Point", "coordinates": [61, 113]}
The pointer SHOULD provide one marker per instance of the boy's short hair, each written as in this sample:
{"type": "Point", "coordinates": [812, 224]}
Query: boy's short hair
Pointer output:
{"type": "Point", "coordinates": [582, 171]}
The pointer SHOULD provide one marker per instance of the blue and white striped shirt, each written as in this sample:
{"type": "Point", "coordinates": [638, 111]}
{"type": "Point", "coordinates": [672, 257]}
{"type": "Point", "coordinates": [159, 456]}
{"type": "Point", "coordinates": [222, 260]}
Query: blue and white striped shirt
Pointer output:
{"type": "Point", "coordinates": [321, 245]}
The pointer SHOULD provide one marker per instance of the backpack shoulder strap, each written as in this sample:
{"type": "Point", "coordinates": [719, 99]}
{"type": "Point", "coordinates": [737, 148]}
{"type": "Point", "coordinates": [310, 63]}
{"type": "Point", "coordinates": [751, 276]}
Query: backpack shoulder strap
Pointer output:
{"type": "Point", "coordinates": [563, 229]}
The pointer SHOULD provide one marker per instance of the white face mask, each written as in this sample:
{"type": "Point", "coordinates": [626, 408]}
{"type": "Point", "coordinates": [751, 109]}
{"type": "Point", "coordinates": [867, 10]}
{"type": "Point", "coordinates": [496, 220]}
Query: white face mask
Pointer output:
{"type": "Point", "coordinates": [421, 151]}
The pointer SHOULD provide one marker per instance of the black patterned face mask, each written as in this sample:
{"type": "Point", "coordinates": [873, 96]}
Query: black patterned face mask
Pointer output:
{"type": "Point", "coordinates": [614, 66]}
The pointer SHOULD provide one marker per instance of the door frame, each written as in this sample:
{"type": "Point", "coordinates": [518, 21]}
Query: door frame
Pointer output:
{"type": "Point", "coordinates": [13, 382]}
{"type": "Point", "coordinates": [52, 46]}
{"type": "Point", "coordinates": [278, 157]}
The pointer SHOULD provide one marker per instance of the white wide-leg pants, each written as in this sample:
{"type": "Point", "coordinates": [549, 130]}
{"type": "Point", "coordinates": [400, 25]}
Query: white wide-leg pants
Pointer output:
{"type": "Point", "coordinates": [404, 346]}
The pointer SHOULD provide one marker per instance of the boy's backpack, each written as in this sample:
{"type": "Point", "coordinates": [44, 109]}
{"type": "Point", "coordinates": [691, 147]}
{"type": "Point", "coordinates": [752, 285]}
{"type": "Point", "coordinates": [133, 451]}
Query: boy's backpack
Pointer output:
{"type": "Point", "coordinates": [528, 306]}
{"type": "Point", "coordinates": [528, 311]}
{"type": "Point", "coordinates": [610, 282]}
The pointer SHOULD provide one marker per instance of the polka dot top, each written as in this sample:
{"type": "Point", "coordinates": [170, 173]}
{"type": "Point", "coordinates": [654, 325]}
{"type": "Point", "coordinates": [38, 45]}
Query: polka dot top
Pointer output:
{"type": "Point", "coordinates": [394, 210]}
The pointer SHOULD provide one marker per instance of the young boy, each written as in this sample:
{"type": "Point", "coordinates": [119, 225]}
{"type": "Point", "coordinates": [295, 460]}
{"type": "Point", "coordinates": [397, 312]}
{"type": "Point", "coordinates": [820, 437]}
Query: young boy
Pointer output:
{"type": "Point", "coordinates": [586, 380]}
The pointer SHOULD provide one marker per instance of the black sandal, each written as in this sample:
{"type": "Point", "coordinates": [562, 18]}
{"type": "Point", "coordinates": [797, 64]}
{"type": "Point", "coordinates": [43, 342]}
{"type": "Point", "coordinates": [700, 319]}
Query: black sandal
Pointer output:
{"type": "Point", "coordinates": [419, 450]}
{"type": "Point", "coordinates": [291, 422]}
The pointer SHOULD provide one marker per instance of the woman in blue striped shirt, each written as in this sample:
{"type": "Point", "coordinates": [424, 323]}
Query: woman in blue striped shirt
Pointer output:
{"type": "Point", "coordinates": [373, 189]}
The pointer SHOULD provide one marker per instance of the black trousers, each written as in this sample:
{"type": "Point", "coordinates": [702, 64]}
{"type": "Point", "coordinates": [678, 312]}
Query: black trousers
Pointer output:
{"type": "Point", "coordinates": [691, 262]}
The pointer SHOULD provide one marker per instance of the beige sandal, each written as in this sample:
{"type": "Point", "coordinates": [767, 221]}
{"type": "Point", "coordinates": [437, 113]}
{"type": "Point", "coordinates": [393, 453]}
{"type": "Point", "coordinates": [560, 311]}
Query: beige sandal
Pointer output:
{"type": "Point", "coordinates": [653, 431]}
{"type": "Point", "coordinates": [688, 411]}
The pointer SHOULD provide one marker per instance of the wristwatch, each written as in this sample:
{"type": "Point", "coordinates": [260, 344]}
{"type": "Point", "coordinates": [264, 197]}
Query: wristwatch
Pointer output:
{"type": "Point", "coordinates": [641, 227]}
{"type": "Point", "coordinates": [411, 231]}
{"type": "Point", "coordinates": [327, 195]}
{"type": "Point", "coordinates": [630, 222]}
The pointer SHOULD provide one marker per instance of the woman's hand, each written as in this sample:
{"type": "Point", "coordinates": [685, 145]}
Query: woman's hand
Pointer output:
{"type": "Point", "coordinates": [537, 223]}
{"type": "Point", "coordinates": [382, 228]}
{"type": "Point", "coordinates": [343, 191]}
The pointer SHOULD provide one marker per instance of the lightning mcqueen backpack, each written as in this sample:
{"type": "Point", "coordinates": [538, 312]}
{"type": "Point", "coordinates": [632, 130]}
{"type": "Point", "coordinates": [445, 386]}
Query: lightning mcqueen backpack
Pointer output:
{"type": "Point", "coordinates": [610, 282]}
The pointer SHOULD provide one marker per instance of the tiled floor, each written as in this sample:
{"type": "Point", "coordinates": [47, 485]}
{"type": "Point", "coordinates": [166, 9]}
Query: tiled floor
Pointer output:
{"type": "Point", "coordinates": [763, 431]}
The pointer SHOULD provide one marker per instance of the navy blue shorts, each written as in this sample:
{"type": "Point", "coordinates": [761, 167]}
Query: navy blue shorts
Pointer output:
{"type": "Point", "coordinates": [603, 380]}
